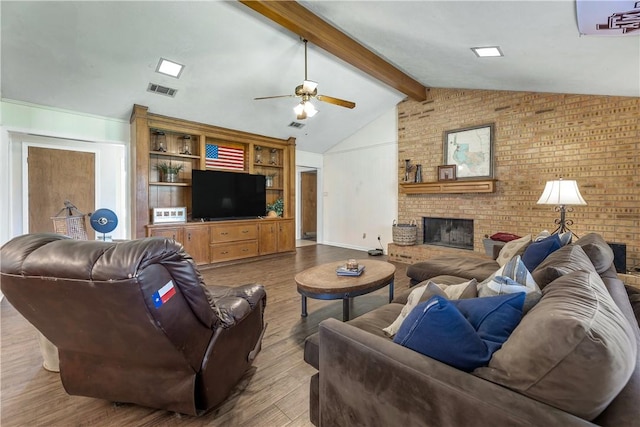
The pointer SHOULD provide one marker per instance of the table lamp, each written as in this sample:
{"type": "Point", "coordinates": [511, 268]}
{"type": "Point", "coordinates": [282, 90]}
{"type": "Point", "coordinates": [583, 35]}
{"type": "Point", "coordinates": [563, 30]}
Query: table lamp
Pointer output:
{"type": "Point", "coordinates": [562, 193]}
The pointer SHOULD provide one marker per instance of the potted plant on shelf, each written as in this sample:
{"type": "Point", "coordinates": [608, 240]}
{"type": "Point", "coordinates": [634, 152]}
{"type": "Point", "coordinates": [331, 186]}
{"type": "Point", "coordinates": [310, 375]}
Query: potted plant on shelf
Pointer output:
{"type": "Point", "coordinates": [277, 207]}
{"type": "Point", "coordinates": [168, 172]}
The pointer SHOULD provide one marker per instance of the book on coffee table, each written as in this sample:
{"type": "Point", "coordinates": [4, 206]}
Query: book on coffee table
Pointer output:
{"type": "Point", "coordinates": [344, 271]}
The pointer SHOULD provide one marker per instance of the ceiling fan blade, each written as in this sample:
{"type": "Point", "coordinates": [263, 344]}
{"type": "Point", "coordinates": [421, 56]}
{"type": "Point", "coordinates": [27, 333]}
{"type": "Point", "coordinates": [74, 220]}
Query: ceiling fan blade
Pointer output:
{"type": "Point", "coordinates": [336, 101]}
{"type": "Point", "coordinates": [271, 97]}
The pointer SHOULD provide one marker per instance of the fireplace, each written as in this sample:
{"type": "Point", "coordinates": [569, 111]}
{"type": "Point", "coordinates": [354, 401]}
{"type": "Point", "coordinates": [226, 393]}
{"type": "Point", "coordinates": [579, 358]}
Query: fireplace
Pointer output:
{"type": "Point", "coordinates": [449, 232]}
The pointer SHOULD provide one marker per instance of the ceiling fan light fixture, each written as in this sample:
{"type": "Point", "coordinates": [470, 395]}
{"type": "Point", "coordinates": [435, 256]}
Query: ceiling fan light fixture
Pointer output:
{"type": "Point", "coordinates": [299, 110]}
{"type": "Point", "coordinates": [309, 90]}
{"type": "Point", "coordinates": [309, 109]}
{"type": "Point", "coordinates": [309, 86]}
{"type": "Point", "coordinates": [304, 109]}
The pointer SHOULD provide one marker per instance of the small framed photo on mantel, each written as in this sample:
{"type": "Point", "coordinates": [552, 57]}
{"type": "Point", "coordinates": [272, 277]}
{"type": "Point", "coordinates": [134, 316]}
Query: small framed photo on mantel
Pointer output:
{"type": "Point", "coordinates": [446, 173]}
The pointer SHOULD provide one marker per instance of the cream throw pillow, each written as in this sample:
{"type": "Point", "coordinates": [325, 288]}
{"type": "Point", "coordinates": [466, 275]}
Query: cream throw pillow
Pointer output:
{"type": "Point", "coordinates": [412, 300]}
{"type": "Point", "coordinates": [512, 248]}
{"type": "Point", "coordinates": [462, 290]}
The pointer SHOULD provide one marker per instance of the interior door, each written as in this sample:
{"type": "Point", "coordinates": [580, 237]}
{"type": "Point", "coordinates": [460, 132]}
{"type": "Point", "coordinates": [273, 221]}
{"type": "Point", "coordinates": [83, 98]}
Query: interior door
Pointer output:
{"type": "Point", "coordinates": [55, 176]}
{"type": "Point", "coordinates": [309, 205]}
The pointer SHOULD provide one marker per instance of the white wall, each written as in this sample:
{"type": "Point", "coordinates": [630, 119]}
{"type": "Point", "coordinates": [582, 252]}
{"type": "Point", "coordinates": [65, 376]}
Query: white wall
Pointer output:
{"type": "Point", "coordinates": [360, 186]}
{"type": "Point", "coordinates": [25, 124]}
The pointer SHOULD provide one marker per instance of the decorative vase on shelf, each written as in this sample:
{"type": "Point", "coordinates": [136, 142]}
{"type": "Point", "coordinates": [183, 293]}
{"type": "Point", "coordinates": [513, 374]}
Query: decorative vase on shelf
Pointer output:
{"type": "Point", "coordinates": [159, 143]}
{"type": "Point", "coordinates": [186, 145]}
{"type": "Point", "coordinates": [269, 181]}
{"type": "Point", "coordinates": [407, 170]}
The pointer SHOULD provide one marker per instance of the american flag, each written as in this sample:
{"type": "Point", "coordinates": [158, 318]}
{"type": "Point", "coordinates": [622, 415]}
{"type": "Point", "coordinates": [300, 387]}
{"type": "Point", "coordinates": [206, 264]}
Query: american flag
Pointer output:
{"type": "Point", "coordinates": [218, 156]}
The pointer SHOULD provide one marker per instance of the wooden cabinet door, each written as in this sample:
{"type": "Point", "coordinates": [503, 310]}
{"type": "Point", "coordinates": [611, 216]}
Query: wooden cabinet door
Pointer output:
{"type": "Point", "coordinates": [175, 233]}
{"type": "Point", "coordinates": [196, 243]}
{"type": "Point", "coordinates": [268, 237]}
{"type": "Point", "coordinates": [286, 236]}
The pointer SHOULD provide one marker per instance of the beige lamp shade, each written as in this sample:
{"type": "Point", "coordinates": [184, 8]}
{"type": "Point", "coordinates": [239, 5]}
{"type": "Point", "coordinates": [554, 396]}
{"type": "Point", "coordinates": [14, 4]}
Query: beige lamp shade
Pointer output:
{"type": "Point", "coordinates": [561, 192]}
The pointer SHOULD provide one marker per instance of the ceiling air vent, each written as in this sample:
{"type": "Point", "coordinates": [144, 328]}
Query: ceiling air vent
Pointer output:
{"type": "Point", "coordinates": [162, 90]}
{"type": "Point", "coordinates": [296, 125]}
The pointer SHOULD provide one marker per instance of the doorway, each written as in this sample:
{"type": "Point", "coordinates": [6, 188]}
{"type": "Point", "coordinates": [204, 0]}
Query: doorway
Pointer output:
{"type": "Point", "coordinates": [309, 205]}
{"type": "Point", "coordinates": [56, 175]}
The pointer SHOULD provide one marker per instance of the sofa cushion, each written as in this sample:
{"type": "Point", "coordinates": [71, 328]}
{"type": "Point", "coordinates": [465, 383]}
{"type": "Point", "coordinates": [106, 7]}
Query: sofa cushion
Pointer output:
{"type": "Point", "coordinates": [574, 350]}
{"type": "Point", "coordinates": [420, 293]}
{"type": "Point", "coordinates": [513, 248]}
{"type": "Point", "coordinates": [536, 252]}
{"type": "Point", "coordinates": [634, 299]}
{"type": "Point", "coordinates": [424, 292]}
{"type": "Point", "coordinates": [465, 290]}
{"type": "Point", "coordinates": [563, 261]}
{"type": "Point", "coordinates": [598, 251]}
{"type": "Point", "coordinates": [401, 297]}
{"type": "Point", "coordinates": [512, 277]}
{"type": "Point", "coordinates": [372, 322]}
{"type": "Point", "coordinates": [465, 267]}
{"type": "Point", "coordinates": [462, 333]}
{"type": "Point", "coordinates": [565, 238]}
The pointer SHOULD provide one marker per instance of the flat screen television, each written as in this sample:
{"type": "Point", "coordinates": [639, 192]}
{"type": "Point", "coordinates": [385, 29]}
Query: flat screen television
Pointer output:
{"type": "Point", "coordinates": [227, 195]}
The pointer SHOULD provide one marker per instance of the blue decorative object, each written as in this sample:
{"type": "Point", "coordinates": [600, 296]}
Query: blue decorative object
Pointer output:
{"type": "Point", "coordinates": [462, 333]}
{"type": "Point", "coordinates": [104, 220]}
{"type": "Point", "coordinates": [536, 252]}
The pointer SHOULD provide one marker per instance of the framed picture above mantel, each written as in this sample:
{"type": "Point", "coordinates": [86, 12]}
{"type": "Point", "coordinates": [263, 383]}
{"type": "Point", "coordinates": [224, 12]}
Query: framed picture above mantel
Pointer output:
{"type": "Point", "coordinates": [470, 150]}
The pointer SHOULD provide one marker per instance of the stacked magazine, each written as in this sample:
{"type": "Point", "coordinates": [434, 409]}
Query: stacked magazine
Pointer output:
{"type": "Point", "coordinates": [344, 271]}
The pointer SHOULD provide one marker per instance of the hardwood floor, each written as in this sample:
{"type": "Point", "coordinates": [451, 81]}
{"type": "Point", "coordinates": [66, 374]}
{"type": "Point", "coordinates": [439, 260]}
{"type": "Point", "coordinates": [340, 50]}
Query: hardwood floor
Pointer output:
{"type": "Point", "coordinates": [274, 392]}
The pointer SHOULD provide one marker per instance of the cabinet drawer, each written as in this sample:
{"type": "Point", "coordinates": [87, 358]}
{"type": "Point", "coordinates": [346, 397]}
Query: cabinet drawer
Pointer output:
{"type": "Point", "coordinates": [232, 232]}
{"type": "Point", "coordinates": [236, 250]}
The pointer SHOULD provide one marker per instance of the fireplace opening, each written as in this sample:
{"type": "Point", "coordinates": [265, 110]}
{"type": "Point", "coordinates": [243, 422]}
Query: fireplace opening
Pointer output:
{"type": "Point", "coordinates": [449, 232]}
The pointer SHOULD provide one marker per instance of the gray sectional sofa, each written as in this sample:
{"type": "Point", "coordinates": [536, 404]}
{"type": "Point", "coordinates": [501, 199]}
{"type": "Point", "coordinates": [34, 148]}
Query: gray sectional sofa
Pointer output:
{"type": "Point", "coordinates": [572, 360]}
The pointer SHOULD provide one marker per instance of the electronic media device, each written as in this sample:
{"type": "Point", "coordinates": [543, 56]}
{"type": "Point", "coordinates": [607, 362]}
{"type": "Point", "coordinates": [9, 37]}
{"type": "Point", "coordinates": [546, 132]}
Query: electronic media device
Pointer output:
{"type": "Point", "coordinates": [217, 195]}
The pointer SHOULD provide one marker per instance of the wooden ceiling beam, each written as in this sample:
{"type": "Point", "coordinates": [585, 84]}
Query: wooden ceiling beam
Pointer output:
{"type": "Point", "coordinates": [294, 17]}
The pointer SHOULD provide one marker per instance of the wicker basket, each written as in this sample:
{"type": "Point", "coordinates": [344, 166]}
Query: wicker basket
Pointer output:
{"type": "Point", "coordinates": [405, 234]}
{"type": "Point", "coordinates": [72, 224]}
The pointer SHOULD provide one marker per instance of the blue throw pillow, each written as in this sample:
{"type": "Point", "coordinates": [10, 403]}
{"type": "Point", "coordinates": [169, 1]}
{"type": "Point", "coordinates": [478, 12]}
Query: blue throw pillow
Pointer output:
{"type": "Point", "coordinates": [461, 333]}
{"type": "Point", "coordinates": [536, 252]}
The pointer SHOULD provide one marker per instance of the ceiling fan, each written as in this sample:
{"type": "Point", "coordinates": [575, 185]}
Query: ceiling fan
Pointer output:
{"type": "Point", "coordinates": [308, 90]}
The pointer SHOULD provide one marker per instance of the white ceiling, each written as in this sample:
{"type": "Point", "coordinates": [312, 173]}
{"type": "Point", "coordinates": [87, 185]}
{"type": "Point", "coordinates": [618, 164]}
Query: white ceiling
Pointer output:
{"type": "Point", "coordinates": [98, 57]}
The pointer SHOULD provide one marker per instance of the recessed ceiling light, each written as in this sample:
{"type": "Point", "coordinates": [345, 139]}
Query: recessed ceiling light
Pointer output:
{"type": "Point", "coordinates": [169, 68]}
{"type": "Point", "coordinates": [487, 51]}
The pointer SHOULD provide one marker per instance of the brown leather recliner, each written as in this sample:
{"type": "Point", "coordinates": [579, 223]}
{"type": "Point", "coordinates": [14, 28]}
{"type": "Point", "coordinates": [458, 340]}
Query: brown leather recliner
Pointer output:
{"type": "Point", "coordinates": [133, 321]}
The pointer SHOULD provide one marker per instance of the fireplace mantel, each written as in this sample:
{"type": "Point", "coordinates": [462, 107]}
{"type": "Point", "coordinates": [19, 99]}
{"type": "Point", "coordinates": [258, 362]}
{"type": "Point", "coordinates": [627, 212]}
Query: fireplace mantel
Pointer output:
{"type": "Point", "coordinates": [449, 187]}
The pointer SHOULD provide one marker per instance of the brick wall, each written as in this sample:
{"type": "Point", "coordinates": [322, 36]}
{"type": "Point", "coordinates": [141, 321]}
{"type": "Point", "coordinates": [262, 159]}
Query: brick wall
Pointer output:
{"type": "Point", "coordinates": [538, 137]}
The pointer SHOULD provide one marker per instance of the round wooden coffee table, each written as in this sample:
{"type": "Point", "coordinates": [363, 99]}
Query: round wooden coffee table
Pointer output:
{"type": "Point", "coordinates": [322, 282]}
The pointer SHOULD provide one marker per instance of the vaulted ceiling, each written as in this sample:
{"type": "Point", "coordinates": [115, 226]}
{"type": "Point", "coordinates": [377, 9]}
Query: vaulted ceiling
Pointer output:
{"type": "Point", "coordinates": [98, 58]}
